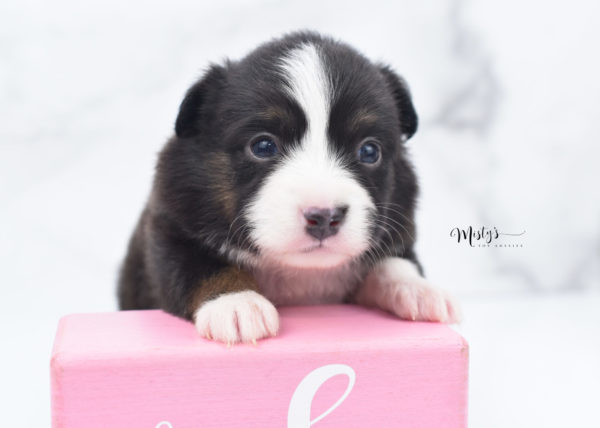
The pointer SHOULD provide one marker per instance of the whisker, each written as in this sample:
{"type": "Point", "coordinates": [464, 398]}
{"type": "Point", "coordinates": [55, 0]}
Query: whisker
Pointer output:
{"type": "Point", "coordinates": [399, 224]}
{"type": "Point", "coordinates": [387, 207]}
{"type": "Point", "coordinates": [383, 223]}
{"type": "Point", "coordinates": [231, 226]}
{"type": "Point", "coordinates": [382, 227]}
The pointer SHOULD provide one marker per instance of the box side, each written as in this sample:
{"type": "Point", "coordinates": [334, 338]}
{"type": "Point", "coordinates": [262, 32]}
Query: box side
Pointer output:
{"type": "Point", "coordinates": [188, 381]}
{"type": "Point", "coordinates": [415, 386]}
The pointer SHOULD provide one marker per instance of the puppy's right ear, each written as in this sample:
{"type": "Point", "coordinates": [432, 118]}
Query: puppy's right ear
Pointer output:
{"type": "Point", "coordinates": [409, 120]}
{"type": "Point", "coordinates": [199, 102]}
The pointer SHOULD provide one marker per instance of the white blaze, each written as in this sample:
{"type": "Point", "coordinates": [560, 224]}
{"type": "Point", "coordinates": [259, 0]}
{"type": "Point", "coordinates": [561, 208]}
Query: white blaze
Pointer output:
{"type": "Point", "coordinates": [309, 85]}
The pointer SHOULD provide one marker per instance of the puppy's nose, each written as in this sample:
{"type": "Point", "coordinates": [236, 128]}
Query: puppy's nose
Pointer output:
{"type": "Point", "coordinates": [324, 222]}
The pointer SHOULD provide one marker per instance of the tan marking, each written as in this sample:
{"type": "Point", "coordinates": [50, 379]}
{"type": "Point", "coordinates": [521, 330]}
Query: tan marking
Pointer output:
{"type": "Point", "coordinates": [229, 280]}
{"type": "Point", "coordinates": [272, 113]}
{"type": "Point", "coordinates": [363, 117]}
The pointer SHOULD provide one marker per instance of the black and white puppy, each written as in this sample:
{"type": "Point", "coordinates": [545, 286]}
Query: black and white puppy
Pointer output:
{"type": "Point", "coordinates": [287, 182]}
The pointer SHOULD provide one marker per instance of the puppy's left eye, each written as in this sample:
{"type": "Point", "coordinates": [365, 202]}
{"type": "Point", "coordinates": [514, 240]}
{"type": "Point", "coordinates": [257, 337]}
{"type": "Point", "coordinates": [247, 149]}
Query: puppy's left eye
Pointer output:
{"type": "Point", "coordinates": [264, 147]}
{"type": "Point", "coordinates": [369, 152]}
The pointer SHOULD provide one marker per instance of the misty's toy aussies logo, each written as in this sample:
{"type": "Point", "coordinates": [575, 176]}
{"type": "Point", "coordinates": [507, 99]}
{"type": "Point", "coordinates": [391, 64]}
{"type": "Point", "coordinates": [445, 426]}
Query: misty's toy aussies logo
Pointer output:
{"type": "Point", "coordinates": [485, 237]}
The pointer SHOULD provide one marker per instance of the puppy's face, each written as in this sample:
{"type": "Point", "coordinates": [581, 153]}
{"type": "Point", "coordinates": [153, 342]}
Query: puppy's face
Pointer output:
{"type": "Point", "coordinates": [299, 149]}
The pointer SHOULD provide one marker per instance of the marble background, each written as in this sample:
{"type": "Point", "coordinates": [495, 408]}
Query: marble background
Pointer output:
{"type": "Point", "coordinates": [509, 99]}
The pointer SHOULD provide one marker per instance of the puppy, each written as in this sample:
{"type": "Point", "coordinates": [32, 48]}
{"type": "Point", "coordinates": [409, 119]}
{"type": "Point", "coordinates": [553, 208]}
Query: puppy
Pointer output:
{"type": "Point", "coordinates": [287, 182]}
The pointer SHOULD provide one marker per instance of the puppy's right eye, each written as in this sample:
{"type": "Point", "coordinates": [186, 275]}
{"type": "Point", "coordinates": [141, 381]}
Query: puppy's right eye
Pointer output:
{"type": "Point", "coordinates": [264, 147]}
{"type": "Point", "coordinates": [369, 152]}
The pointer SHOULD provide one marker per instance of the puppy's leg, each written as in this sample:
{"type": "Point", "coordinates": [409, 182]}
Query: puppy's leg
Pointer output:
{"type": "Point", "coordinates": [191, 282]}
{"type": "Point", "coordinates": [395, 285]}
{"type": "Point", "coordinates": [227, 307]}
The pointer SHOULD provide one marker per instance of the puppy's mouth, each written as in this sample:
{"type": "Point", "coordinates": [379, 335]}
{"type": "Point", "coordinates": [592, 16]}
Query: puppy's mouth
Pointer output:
{"type": "Point", "coordinates": [319, 255]}
{"type": "Point", "coordinates": [316, 247]}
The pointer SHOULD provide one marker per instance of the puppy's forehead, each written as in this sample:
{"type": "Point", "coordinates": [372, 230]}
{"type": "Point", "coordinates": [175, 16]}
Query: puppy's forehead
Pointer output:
{"type": "Point", "coordinates": [314, 92]}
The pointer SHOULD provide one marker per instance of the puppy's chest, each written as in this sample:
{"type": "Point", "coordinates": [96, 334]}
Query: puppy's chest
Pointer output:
{"type": "Point", "coordinates": [293, 287]}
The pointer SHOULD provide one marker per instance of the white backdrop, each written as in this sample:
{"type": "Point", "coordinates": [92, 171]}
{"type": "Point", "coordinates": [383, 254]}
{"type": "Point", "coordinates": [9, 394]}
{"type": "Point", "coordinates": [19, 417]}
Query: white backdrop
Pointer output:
{"type": "Point", "coordinates": [509, 97]}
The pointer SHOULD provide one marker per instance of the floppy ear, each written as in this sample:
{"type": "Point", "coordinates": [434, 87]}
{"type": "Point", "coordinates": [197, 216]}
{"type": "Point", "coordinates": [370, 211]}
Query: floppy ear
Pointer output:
{"type": "Point", "coordinates": [408, 116]}
{"type": "Point", "coordinates": [198, 101]}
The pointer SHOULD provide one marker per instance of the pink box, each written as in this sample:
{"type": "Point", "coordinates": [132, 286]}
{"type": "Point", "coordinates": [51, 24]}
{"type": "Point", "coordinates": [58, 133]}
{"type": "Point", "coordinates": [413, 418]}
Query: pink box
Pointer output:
{"type": "Point", "coordinates": [336, 366]}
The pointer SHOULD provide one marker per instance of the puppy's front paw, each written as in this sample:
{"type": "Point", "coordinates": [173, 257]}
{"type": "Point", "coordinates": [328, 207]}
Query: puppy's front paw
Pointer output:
{"type": "Point", "coordinates": [244, 316]}
{"type": "Point", "coordinates": [396, 285]}
{"type": "Point", "coordinates": [414, 299]}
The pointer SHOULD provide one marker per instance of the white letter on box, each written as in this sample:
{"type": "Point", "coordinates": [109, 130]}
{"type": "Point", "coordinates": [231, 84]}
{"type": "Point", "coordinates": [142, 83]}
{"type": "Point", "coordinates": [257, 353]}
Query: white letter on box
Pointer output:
{"type": "Point", "coordinates": [299, 410]}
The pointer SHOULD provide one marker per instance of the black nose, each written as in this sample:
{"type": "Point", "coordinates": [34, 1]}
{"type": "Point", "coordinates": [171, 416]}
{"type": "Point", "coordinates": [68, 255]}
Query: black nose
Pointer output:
{"type": "Point", "coordinates": [324, 222]}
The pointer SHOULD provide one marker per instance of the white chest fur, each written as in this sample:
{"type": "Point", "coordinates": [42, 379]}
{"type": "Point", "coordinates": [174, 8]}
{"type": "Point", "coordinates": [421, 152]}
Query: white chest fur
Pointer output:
{"type": "Point", "coordinates": [285, 286]}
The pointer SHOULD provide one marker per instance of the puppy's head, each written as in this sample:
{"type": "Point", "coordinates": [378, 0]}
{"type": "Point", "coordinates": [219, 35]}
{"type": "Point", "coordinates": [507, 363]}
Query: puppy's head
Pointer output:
{"type": "Point", "coordinates": [294, 155]}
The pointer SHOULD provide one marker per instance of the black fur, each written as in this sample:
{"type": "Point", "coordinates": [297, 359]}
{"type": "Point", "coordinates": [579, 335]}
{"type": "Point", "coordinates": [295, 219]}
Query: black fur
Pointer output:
{"type": "Point", "coordinates": [204, 177]}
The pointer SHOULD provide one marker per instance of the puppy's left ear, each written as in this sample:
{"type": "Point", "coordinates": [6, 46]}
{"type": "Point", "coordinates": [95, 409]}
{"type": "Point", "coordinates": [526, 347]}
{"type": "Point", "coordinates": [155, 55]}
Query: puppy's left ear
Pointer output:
{"type": "Point", "coordinates": [406, 111]}
{"type": "Point", "coordinates": [200, 102]}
